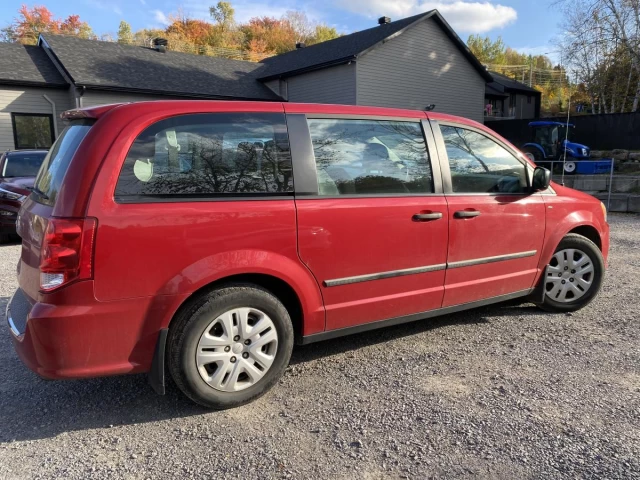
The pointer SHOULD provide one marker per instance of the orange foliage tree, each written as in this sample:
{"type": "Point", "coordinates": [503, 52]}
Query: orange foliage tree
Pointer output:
{"type": "Point", "coordinates": [272, 34]}
{"type": "Point", "coordinates": [194, 31]}
{"type": "Point", "coordinates": [33, 21]}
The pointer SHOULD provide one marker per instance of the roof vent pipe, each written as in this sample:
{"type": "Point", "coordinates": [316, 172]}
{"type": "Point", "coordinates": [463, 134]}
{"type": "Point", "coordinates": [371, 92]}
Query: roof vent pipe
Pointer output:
{"type": "Point", "coordinates": [384, 20]}
{"type": "Point", "coordinates": [300, 45]}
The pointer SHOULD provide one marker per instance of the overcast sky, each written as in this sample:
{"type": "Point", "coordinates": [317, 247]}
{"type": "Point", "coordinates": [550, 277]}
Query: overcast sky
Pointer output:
{"type": "Point", "coordinates": [526, 25]}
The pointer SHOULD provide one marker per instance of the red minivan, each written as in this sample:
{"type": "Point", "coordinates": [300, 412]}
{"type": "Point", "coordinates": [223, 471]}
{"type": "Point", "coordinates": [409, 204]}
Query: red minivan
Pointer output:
{"type": "Point", "coordinates": [205, 238]}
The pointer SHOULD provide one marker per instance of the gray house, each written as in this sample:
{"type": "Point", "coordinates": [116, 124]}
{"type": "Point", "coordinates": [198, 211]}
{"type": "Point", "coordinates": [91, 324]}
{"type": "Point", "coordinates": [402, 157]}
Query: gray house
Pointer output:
{"type": "Point", "coordinates": [31, 89]}
{"type": "Point", "coordinates": [411, 63]}
{"type": "Point", "coordinates": [508, 99]}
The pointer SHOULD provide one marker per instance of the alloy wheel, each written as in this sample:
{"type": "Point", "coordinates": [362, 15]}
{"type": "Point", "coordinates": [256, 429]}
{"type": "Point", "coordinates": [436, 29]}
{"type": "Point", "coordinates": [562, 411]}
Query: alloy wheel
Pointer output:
{"type": "Point", "coordinates": [237, 349]}
{"type": "Point", "coordinates": [570, 275]}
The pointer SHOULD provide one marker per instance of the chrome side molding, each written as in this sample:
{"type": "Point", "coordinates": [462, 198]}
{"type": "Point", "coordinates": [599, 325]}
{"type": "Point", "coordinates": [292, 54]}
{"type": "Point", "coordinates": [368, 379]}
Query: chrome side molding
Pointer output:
{"type": "Point", "coordinates": [430, 268]}
{"type": "Point", "coordinates": [497, 258]}
{"type": "Point", "coordinates": [381, 275]}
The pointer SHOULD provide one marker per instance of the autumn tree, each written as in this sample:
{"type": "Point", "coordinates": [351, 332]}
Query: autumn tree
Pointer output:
{"type": "Point", "coordinates": [323, 33]}
{"type": "Point", "coordinates": [277, 35]}
{"type": "Point", "coordinates": [76, 27]}
{"type": "Point", "coordinates": [301, 26]}
{"type": "Point", "coordinates": [606, 55]}
{"type": "Point", "coordinates": [33, 21]}
{"type": "Point", "coordinates": [487, 50]}
{"type": "Point", "coordinates": [197, 32]}
{"type": "Point", "coordinates": [124, 33]}
{"type": "Point", "coordinates": [224, 16]}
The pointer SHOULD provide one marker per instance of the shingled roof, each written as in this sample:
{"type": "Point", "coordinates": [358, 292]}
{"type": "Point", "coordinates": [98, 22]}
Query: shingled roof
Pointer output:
{"type": "Point", "coordinates": [28, 65]}
{"type": "Point", "coordinates": [112, 66]}
{"type": "Point", "coordinates": [348, 47]}
{"type": "Point", "coordinates": [501, 83]}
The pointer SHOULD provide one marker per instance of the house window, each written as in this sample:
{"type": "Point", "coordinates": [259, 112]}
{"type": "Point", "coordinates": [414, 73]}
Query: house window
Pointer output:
{"type": "Point", "coordinates": [32, 130]}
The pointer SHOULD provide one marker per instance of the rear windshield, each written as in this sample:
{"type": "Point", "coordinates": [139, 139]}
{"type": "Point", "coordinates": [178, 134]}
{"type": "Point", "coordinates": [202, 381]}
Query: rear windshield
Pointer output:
{"type": "Point", "coordinates": [56, 163]}
{"type": "Point", "coordinates": [21, 164]}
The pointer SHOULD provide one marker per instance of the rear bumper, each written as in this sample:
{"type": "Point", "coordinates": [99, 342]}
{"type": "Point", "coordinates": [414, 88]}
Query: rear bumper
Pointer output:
{"type": "Point", "coordinates": [89, 338]}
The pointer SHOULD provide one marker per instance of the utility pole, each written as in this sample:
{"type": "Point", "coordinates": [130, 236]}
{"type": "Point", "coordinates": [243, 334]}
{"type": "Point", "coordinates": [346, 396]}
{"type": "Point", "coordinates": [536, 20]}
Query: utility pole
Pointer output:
{"type": "Point", "coordinates": [530, 70]}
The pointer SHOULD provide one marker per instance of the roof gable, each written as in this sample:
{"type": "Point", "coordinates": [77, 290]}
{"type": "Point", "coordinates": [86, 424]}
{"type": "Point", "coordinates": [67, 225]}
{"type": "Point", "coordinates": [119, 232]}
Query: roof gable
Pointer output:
{"type": "Point", "coordinates": [112, 66]}
{"type": "Point", "coordinates": [28, 65]}
{"type": "Point", "coordinates": [348, 47]}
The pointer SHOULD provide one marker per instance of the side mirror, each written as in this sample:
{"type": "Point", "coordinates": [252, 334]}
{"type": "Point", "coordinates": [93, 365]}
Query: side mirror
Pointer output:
{"type": "Point", "coordinates": [541, 179]}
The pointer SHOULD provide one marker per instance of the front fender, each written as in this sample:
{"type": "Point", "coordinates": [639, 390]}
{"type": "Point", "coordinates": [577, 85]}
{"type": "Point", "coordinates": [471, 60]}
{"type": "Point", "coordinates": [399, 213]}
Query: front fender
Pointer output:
{"type": "Point", "coordinates": [561, 223]}
{"type": "Point", "coordinates": [226, 264]}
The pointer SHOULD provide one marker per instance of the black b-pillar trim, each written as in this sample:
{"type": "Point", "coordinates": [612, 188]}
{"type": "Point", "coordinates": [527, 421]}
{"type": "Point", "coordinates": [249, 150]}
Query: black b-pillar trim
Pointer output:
{"type": "Point", "coordinates": [305, 177]}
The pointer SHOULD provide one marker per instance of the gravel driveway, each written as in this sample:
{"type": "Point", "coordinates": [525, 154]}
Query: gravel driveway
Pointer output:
{"type": "Point", "coordinates": [500, 392]}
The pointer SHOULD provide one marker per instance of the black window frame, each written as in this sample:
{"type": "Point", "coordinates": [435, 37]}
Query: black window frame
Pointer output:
{"type": "Point", "coordinates": [26, 114]}
{"type": "Point", "coordinates": [304, 162]}
{"type": "Point", "coordinates": [446, 170]}
{"type": "Point", "coordinates": [207, 197]}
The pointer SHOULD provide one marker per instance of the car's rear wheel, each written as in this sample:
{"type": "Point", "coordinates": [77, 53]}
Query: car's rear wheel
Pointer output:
{"type": "Point", "coordinates": [230, 346]}
{"type": "Point", "coordinates": [574, 275]}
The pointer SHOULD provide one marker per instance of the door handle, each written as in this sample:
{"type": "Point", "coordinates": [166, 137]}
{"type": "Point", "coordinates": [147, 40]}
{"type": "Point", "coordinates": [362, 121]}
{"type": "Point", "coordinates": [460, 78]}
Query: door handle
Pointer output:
{"type": "Point", "coordinates": [426, 217]}
{"type": "Point", "coordinates": [466, 214]}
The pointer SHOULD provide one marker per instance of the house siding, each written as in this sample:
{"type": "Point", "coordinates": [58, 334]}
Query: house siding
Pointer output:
{"type": "Point", "coordinates": [274, 86]}
{"type": "Point", "coordinates": [29, 100]}
{"type": "Point", "coordinates": [329, 85]}
{"type": "Point", "coordinates": [525, 109]}
{"type": "Point", "coordinates": [417, 68]}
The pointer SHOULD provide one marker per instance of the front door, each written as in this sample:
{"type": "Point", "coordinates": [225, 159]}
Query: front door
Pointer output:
{"type": "Point", "coordinates": [373, 227]}
{"type": "Point", "coordinates": [496, 226]}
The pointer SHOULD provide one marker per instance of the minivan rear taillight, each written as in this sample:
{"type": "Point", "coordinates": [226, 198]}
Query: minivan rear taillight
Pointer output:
{"type": "Point", "coordinates": [67, 252]}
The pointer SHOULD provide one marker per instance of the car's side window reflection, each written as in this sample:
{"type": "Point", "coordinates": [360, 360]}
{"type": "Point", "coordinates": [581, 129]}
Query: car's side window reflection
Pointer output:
{"type": "Point", "coordinates": [370, 157]}
{"type": "Point", "coordinates": [225, 154]}
{"type": "Point", "coordinates": [480, 165]}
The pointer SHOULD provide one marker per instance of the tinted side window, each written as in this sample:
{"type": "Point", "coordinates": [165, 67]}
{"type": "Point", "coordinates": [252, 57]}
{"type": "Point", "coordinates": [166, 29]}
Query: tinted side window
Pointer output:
{"type": "Point", "coordinates": [56, 163]}
{"type": "Point", "coordinates": [209, 155]}
{"type": "Point", "coordinates": [370, 157]}
{"type": "Point", "coordinates": [480, 165]}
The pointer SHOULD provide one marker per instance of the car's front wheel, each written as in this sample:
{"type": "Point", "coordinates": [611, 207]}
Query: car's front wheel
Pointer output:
{"type": "Point", "coordinates": [230, 346]}
{"type": "Point", "coordinates": [574, 275]}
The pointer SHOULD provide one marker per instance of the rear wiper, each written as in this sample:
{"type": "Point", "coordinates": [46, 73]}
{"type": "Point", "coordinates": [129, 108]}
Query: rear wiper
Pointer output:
{"type": "Point", "coordinates": [39, 192]}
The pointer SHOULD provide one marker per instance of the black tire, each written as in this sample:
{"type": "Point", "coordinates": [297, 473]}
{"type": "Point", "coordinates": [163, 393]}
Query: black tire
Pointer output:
{"type": "Point", "coordinates": [535, 153]}
{"type": "Point", "coordinates": [586, 246]}
{"type": "Point", "coordinates": [188, 326]}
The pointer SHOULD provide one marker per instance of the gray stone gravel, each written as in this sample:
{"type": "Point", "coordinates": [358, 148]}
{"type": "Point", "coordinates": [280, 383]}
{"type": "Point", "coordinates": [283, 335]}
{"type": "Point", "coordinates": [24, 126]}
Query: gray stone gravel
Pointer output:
{"type": "Point", "coordinates": [501, 392]}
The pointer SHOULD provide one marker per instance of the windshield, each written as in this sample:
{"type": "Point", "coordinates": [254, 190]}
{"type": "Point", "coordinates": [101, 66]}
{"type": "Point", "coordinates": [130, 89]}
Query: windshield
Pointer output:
{"type": "Point", "coordinates": [57, 161]}
{"type": "Point", "coordinates": [23, 164]}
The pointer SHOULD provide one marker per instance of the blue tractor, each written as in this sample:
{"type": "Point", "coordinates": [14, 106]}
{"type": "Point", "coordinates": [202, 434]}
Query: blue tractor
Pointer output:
{"type": "Point", "coordinates": [550, 142]}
